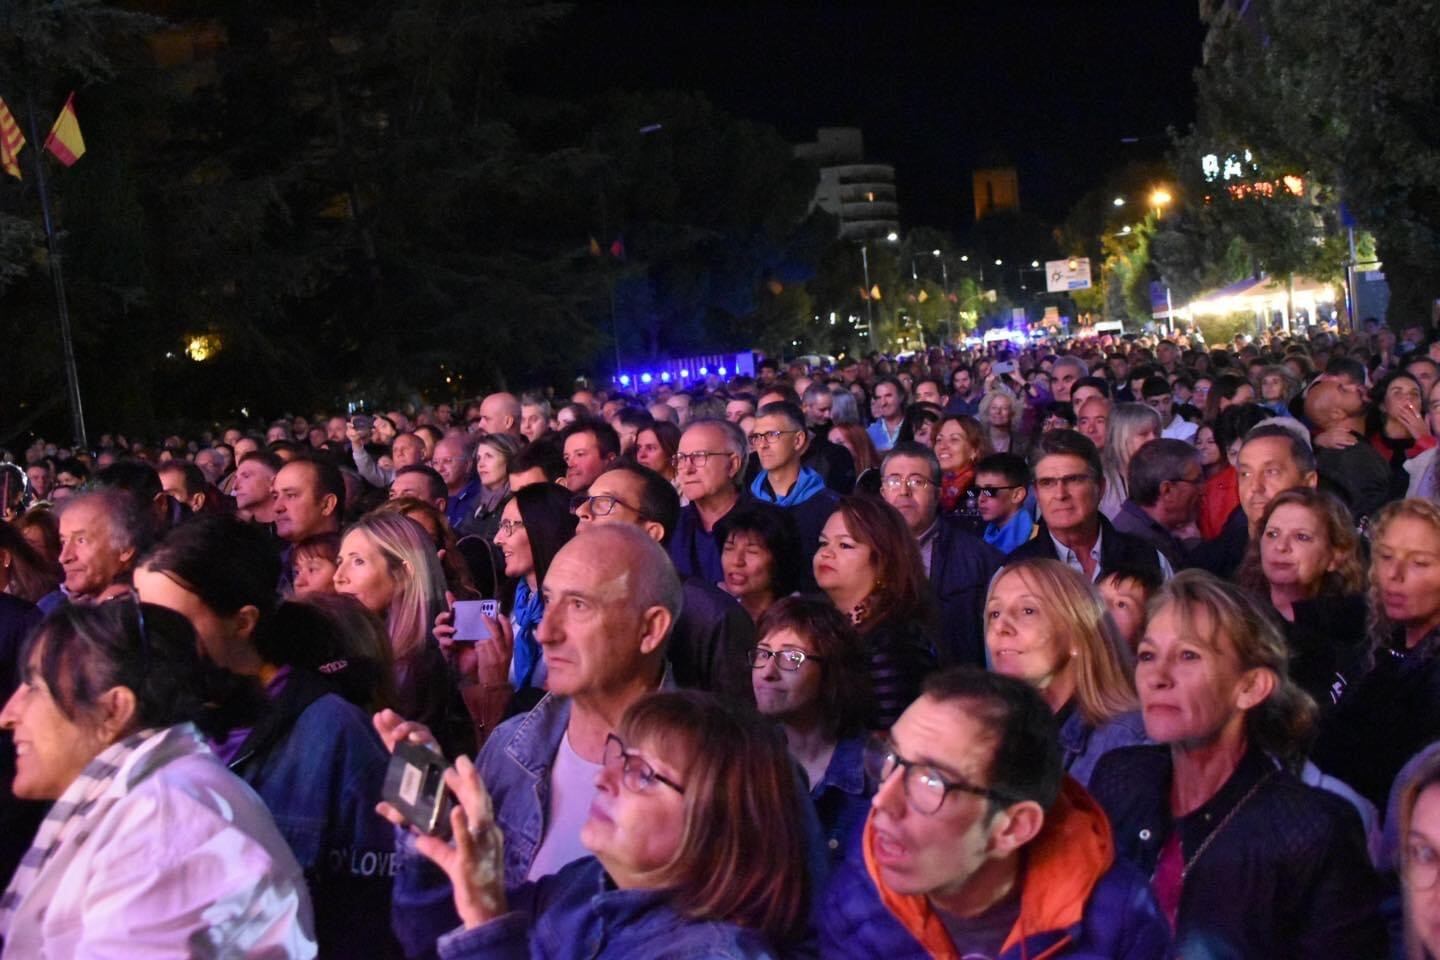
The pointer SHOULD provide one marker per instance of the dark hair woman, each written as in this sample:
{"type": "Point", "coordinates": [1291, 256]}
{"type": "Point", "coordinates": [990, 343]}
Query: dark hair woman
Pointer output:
{"type": "Point", "coordinates": [760, 554]}
{"type": "Point", "coordinates": [809, 672]}
{"type": "Point", "coordinates": [126, 859]}
{"type": "Point", "coordinates": [24, 573]}
{"type": "Point", "coordinates": [686, 779]}
{"type": "Point", "coordinates": [867, 563]}
{"type": "Point", "coordinates": [310, 755]}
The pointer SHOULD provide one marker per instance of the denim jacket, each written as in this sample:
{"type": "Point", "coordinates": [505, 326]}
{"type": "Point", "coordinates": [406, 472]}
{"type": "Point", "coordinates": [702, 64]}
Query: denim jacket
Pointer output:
{"type": "Point", "coordinates": [319, 766]}
{"type": "Point", "coordinates": [515, 766]}
{"type": "Point", "coordinates": [578, 912]}
{"type": "Point", "coordinates": [1082, 746]}
{"type": "Point", "coordinates": [842, 798]}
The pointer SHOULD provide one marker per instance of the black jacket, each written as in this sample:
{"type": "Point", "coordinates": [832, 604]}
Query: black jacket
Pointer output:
{"type": "Point", "coordinates": [832, 461]}
{"type": "Point", "coordinates": [1116, 549]}
{"type": "Point", "coordinates": [1223, 555]}
{"type": "Point", "coordinates": [1287, 876]}
{"type": "Point", "coordinates": [709, 641]}
{"type": "Point", "coordinates": [1383, 720]}
{"type": "Point", "coordinates": [901, 654]}
{"type": "Point", "coordinates": [961, 566]}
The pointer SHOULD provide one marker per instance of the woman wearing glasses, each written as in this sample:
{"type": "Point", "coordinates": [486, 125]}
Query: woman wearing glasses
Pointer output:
{"type": "Point", "coordinates": [1419, 862]}
{"type": "Point", "coordinates": [809, 674]}
{"type": "Point", "coordinates": [677, 870]}
{"type": "Point", "coordinates": [1046, 625]}
{"type": "Point", "coordinates": [1246, 860]}
{"type": "Point", "coordinates": [152, 847]}
{"type": "Point", "coordinates": [869, 566]}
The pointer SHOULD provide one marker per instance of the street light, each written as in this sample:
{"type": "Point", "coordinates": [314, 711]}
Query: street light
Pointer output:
{"type": "Point", "coordinates": [1034, 263]}
{"type": "Point", "coordinates": [892, 236]}
{"type": "Point", "coordinates": [1159, 199]}
{"type": "Point", "coordinates": [1118, 201]}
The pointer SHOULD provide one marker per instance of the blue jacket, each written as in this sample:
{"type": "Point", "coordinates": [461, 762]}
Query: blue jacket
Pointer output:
{"type": "Point", "coordinates": [319, 766]}
{"type": "Point", "coordinates": [1014, 532]}
{"type": "Point", "coordinates": [1082, 746]}
{"type": "Point", "coordinates": [578, 913]}
{"type": "Point", "coordinates": [1076, 901]}
{"type": "Point", "coordinates": [514, 765]}
{"type": "Point", "coordinates": [693, 549]}
{"type": "Point", "coordinates": [459, 506]}
{"type": "Point", "coordinates": [842, 798]}
{"type": "Point", "coordinates": [961, 567]}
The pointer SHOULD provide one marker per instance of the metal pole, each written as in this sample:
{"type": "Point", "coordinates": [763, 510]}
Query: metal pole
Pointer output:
{"type": "Point", "coordinates": [945, 286]}
{"type": "Point", "coordinates": [869, 303]}
{"type": "Point", "coordinates": [1350, 306]}
{"type": "Point", "coordinates": [52, 244]}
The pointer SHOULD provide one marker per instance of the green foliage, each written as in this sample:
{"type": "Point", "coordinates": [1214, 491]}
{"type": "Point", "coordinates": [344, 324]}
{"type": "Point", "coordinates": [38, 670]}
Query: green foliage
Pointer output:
{"type": "Point", "coordinates": [1348, 94]}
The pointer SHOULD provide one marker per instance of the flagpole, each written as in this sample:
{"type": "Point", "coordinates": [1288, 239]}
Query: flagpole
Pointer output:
{"type": "Point", "coordinates": [52, 244]}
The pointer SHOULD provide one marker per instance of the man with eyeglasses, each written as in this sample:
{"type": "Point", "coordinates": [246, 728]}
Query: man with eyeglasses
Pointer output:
{"type": "Point", "coordinates": [1069, 482]}
{"type": "Point", "coordinates": [712, 632]}
{"type": "Point", "coordinates": [978, 845]}
{"type": "Point", "coordinates": [454, 460]}
{"type": "Point", "coordinates": [708, 464]}
{"type": "Point", "coordinates": [779, 440]}
{"type": "Point", "coordinates": [1165, 481]}
{"type": "Point", "coordinates": [958, 564]}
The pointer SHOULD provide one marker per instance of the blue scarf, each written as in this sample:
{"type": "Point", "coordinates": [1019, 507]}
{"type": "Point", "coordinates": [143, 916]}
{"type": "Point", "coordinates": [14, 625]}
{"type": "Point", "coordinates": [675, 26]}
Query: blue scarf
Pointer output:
{"type": "Point", "coordinates": [524, 618]}
{"type": "Point", "coordinates": [806, 486]}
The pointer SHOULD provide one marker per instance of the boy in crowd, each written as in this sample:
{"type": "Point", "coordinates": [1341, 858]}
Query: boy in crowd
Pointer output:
{"type": "Point", "coordinates": [1127, 592]}
{"type": "Point", "coordinates": [1002, 481]}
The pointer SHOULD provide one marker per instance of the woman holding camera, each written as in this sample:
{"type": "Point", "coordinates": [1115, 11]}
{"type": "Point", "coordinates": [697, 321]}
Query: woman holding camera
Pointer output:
{"type": "Point", "coordinates": [676, 871]}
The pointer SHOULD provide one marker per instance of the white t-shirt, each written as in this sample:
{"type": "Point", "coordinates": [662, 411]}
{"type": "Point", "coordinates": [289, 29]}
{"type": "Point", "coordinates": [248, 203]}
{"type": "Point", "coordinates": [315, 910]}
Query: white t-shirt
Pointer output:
{"type": "Point", "coordinates": [572, 787]}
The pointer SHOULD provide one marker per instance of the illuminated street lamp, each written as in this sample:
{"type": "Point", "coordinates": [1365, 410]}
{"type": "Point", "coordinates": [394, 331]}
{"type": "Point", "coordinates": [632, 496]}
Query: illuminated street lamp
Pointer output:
{"type": "Point", "coordinates": [1159, 199]}
{"type": "Point", "coordinates": [1118, 201]}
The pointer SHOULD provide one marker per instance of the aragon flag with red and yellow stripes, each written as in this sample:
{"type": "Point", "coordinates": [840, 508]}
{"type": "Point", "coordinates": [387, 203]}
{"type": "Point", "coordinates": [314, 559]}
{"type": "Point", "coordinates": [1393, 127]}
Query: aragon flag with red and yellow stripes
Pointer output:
{"type": "Point", "coordinates": [65, 141]}
{"type": "Point", "coordinates": [11, 142]}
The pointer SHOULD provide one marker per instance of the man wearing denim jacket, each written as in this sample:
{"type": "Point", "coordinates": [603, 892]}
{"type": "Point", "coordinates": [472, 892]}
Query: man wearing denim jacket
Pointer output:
{"type": "Point", "coordinates": [611, 597]}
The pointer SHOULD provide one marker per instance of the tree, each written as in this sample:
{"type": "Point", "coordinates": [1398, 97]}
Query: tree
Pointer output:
{"type": "Point", "coordinates": [1346, 93]}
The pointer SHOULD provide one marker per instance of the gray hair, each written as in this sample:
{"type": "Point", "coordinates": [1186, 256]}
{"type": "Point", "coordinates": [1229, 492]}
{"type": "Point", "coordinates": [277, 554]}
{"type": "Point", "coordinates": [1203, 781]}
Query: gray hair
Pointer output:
{"type": "Point", "coordinates": [533, 399]}
{"type": "Point", "coordinates": [1300, 450]}
{"type": "Point", "coordinates": [732, 437]}
{"type": "Point", "coordinates": [653, 580]}
{"type": "Point", "coordinates": [909, 448]}
{"type": "Point", "coordinates": [1156, 462]}
{"type": "Point", "coordinates": [129, 521]}
{"type": "Point", "coordinates": [843, 408]}
{"type": "Point", "coordinates": [1126, 419]}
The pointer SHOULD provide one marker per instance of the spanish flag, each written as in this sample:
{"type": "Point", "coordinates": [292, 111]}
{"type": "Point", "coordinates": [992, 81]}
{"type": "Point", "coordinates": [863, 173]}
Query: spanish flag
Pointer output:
{"type": "Point", "coordinates": [11, 142]}
{"type": "Point", "coordinates": [65, 141]}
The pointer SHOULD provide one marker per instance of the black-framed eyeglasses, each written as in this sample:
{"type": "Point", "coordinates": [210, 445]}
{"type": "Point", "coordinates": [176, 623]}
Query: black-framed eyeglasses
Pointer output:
{"type": "Point", "coordinates": [990, 493]}
{"type": "Point", "coordinates": [697, 459]}
{"type": "Point", "coordinates": [912, 483]}
{"type": "Point", "coordinates": [768, 437]}
{"type": "Point", "coordinates": [601, 505]}
{"type": "Point", "coordinates": [925, 787]}
{"type": "Point", "coordinates": [786, 658]}
{"type": "Point", "coordinates": [637, 775]}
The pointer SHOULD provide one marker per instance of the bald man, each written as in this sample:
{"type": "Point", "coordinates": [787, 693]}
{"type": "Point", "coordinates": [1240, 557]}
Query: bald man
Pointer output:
{"type": "Point", "coordinates": [1357, 472]}
{"type": "Point", "coordinates": [500, 413]}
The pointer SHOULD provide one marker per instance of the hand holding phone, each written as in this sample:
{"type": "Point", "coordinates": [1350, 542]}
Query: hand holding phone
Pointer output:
{"type": "Point", "coordinates": [474, 620]}
{"type": "Point", "coordinates": [415, 789]}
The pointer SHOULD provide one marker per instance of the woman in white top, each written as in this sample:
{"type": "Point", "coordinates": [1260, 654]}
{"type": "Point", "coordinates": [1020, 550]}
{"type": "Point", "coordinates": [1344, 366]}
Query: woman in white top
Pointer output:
{"type": "Point", "coordinates": [152, 848]}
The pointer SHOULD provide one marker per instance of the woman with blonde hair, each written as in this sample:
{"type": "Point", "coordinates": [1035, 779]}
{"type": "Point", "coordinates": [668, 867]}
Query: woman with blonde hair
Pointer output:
{"type": "Point", "coordinates": [1392, 711]}
{"type": "Point", "coordinates": [388, 563]}
{"type": "Point", "coordinates": [1046, 625]}
{"type": "Point", "coordinates": [1305, 568]}
{"type": "Point", "coordinates": [1245, 858]}
{"type": "Point", "coordinates": [1131, 426]}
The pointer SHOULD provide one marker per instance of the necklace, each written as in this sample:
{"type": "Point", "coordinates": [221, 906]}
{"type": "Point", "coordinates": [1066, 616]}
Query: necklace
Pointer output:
{"type": "Point", "coordinates": [1185, 870]}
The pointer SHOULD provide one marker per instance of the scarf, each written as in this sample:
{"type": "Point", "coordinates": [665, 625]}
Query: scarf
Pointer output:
{"type": "Point", "coordinates": [69, 820]}
{"type": "Point", "coordinates": [807, 484]}
{"type": "Point", "coordinates": [954, 484]}
{"type": "Point", "coordinates": [525, 617]}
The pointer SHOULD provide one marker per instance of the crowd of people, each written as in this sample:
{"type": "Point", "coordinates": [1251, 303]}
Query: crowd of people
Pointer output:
{"type": "Point", "coordinates": [1109, 647]}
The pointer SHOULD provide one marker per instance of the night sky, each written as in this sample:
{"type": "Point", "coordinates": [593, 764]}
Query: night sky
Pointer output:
{"type": "Point", "coordinates": [938, 88]}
